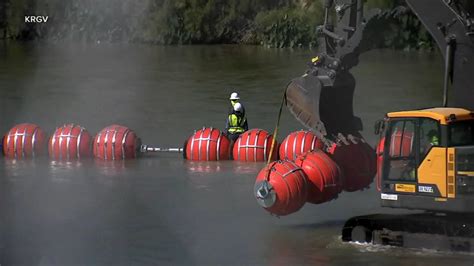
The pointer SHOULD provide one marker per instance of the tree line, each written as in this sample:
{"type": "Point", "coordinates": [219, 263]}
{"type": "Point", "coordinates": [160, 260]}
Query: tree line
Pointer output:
{"type": "Point", "coordinates": [272, 23]}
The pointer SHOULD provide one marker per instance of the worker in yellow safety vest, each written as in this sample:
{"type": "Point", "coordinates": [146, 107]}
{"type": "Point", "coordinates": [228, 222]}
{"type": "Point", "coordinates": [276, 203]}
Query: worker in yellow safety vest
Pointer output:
{"type": "Point", "coordinates": [433, 138]}
{"type": "Point", "coordinates": [236, 122]}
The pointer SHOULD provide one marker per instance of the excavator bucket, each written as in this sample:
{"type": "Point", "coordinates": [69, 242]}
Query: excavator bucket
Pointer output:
{"type": "Point", "coordinates": [325, 108]}
{"type": "Point", "coordinates": [302, 100]}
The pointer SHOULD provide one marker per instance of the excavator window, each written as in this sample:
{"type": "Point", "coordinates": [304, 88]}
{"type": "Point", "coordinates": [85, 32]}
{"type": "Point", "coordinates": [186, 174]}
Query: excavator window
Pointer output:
{"type": "Point", "coordinates": [430, 136]}
{"type": "Point", "coordinates": [461, 133]}
{"type": "Point", "coordinates": [402, 159]}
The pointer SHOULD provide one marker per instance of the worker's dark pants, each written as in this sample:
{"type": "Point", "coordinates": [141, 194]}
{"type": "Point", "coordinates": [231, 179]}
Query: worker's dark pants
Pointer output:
{"type": "Point", "coordinates": [232, 138]}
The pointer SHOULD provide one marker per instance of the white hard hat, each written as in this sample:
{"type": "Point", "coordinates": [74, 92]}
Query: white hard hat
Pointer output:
{"type": "Point", "coordinates": [234, 96]}
{"type": "Point", "coordinates": [238, 107]}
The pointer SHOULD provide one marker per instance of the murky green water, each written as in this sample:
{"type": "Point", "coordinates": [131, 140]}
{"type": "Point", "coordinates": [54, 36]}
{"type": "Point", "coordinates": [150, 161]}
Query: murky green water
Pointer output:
{"type": "Point", "coordinates": [161, 209]}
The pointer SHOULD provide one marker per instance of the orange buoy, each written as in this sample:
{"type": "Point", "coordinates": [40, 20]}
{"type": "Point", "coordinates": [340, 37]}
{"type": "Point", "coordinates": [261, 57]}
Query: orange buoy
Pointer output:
{"type": "Point", "coordinates": [298, 143]}
{"type": "Point", "coordinates": [23, 140]}
{"type": "Point", "coordinates": [281, 188]}
{"type": "Point", "coordinates": [401, 144]}
{"type": "Point", "coordinates": [254, 146]}
{"type": "Point", "coordinates": [207, 144]}
{"type": "Point", "coordinates": [116, 142]}
{"type": "Point", "coordinates": [323, 175]}
{"type": "Point", "coordinates": [379, 153]}
{"type": "Point", "coordinates": [357, 162]}
{"type": "Point", "coordinates": [69, 142]}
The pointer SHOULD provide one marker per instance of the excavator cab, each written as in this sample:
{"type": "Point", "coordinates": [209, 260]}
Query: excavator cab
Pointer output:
{"type": "Point", "coordinates": [426, 160]}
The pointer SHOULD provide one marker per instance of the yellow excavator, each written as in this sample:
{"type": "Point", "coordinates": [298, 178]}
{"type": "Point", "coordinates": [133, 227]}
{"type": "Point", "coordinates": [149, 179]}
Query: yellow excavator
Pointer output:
{"type": "Point", "coordinates": [425, 162]}
{"type": "Point", "coordinates": [425, 157]}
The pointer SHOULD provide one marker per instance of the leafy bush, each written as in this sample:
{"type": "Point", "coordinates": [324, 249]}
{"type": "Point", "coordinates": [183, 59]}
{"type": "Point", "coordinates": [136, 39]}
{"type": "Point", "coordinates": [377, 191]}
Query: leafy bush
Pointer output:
{"type": "Point", "coordinates": [288, 27]}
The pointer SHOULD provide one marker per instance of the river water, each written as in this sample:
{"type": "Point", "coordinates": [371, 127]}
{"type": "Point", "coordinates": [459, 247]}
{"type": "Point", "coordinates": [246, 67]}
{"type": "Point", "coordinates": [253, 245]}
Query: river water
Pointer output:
{"type": "Point", "coordinates": [161, 209]}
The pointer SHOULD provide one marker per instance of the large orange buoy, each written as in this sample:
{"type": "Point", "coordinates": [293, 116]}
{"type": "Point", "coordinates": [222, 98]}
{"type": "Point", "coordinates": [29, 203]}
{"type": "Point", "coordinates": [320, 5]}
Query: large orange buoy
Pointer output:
{"type": "Point", "coordinates": [357, 162]}
{"type": "Point", "coordinates": [254, 146]}
{"type": "Point", "coordinates": [207, 144]}
{"type": "Point", "coordinates": [281, 188]}
{"type": "Point", "coordinates": [116, 142]}
{"type": "Point", "coordinates": [401, 144]}
{"type": "Point", "coordinates": [379, 153]}
{"type": "Point", "coordinates": [23, 140]}
{"type": "Point", "coordinates": [323, 175]}
{"type": "Point", "coordinates": [298, 143]}
{"type": "Point", "coordinates": [69, 142]}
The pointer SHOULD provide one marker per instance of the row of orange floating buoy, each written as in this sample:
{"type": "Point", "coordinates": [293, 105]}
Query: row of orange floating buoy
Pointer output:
{"type": "Point", "coordinates": [307, 172]}
{"type": "Point", "coordinates": [310, 174]}
{"type": "Point", "coordinates": [254, 145]}
{"type": "Point", "coordinates": [209, 144]}
{"type": "Point", "coordinates": [71, 141]}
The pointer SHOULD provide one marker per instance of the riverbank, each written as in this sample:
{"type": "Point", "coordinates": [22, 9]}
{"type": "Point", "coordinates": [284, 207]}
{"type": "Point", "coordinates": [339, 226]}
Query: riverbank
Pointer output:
{"type": "Point", "coordinates": [282, 23]}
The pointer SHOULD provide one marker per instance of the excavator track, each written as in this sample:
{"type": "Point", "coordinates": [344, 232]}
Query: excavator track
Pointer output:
{"type": "Point", "coordinates": [442, 232]}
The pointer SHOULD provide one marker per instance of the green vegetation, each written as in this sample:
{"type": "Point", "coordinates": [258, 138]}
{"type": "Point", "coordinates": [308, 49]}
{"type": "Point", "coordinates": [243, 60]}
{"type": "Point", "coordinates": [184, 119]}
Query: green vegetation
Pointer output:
{"type": "Point", "coordinates": [400, 32]}
{"type": "Point", "coordinates": [272, 23]}
{"type": "Point", "coordinates": [267, 22]}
